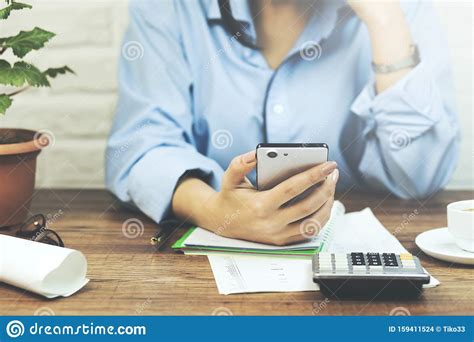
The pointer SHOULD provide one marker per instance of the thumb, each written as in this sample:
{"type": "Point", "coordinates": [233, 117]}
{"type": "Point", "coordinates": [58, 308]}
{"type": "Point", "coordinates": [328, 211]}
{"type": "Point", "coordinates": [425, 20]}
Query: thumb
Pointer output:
{"type": "Point", "coordinates": [238, 168]}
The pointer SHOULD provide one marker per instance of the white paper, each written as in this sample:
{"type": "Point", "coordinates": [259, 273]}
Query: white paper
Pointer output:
{"type": "Point", "coordinates": [47, 270]}
{"type": "Point", "coordinates": [361, 231]}
{"type": "Point", "coordinates": [201, 237]}
{"type": "Point", "coordinates": [244, 274]}
{"type": "Point", "coordinates": [354, 232]}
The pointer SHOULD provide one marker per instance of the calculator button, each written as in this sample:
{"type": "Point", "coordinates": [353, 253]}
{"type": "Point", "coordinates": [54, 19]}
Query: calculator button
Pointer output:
{"type": "Point", "coordinates": [358, 262]}
{"type": "Point", "coordinates": [357, 259]}
{"type": "Point", "coordinates": [359, 269]}
{"type": "Point", "coordinates": [341, 262]}
{"type": "Point", "coordinates": [376, 269]}
{"type": "Point", "coordinates": [406, 256]}
{"type": "Point", "coordinates": [340, 256]}
{"type": "Point", "coordinates": [325, 267]}
{"type": "Point", "coordinates": [408, 262]}
{"type": "Point", "coordinates": [413, 266]}
{"type": "Point", "coordinates": [390, 261]}
{"type": "Point", "coordinates": [389, 257]}
{"type": "Point", "coordinates": [374, 259]}
{"type": "Point", "coordinates": [325, 262]}
{"type": "Point", "coordinates": [357, 255]}
{"type": "Point", "coordinates": [325, 255]}
{"type": "Point", "coordinates": [325, 259]}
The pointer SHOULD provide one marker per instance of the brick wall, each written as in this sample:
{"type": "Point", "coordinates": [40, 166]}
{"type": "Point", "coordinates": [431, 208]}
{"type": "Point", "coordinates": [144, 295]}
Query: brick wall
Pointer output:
{"type": "Point", "coordinates": [78, 109]}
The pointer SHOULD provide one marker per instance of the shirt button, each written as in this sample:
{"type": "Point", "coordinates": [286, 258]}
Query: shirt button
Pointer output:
{"type": "Point", "coordinates": [278, 109]}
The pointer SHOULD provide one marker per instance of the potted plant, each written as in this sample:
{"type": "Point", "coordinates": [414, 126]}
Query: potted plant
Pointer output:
{"type": "Point", "coordinates": [19, 148]}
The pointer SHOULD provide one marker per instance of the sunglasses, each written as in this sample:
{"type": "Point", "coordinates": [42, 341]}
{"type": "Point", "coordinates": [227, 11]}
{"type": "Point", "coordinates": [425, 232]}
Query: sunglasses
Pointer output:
{"type": "Point", "coordinates": [35, 229]}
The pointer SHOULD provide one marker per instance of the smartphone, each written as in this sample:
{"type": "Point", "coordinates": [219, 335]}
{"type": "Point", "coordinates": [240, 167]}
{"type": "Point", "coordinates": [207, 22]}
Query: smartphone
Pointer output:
{"type": "Point", "coordinates": [278, 162]}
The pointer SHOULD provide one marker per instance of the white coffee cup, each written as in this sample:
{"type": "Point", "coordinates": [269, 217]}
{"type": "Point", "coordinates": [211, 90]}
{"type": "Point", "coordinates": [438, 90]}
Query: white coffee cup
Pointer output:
{"type": "Point", "coordinates": [461, 224]}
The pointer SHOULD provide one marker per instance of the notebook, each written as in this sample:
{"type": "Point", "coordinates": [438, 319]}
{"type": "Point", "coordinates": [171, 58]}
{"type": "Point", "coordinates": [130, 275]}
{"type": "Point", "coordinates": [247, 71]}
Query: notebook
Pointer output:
{"type": "Point", "coordinates": [203, 242]}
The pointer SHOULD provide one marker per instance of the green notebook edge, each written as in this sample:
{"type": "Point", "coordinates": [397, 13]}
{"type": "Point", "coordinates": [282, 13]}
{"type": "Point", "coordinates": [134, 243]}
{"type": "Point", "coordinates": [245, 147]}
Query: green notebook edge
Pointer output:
{"type": "Point", "coordinates": [179, 244]}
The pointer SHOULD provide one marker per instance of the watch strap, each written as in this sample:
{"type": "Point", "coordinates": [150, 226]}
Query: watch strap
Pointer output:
{"type": "Point", "coordinates": [408, 62]}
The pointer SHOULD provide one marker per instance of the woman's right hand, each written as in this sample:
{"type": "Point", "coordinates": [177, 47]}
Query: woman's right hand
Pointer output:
{"type": "Point", "coordinates": [240, 211]}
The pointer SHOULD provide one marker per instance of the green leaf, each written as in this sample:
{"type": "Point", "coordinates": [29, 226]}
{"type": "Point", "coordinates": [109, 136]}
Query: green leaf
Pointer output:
{"type": "Point", "coordinates": [25, 41]}
{"type": "Point", "coordinates": [53, 72]}
{"type": "Point", "coordinates": [20, 5]}
{"type": "Point", "coordinates": [21, 73]}
{"type": "Point", "coordinates": [5, 12]}
{"type": "Point", "coordinates": [5, 102]}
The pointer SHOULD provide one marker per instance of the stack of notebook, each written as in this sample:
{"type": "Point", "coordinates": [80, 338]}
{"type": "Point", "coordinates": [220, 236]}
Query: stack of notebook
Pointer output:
{"type": "Point", "coordinates": [203, 242]}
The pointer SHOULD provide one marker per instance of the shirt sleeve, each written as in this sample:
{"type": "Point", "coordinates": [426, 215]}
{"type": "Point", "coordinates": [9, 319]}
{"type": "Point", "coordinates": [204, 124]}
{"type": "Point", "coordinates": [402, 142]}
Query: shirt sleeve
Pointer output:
{"type": "Point", "coordinates": [411, 129]}
{"type": "Point", "coordinates": [151, 144]}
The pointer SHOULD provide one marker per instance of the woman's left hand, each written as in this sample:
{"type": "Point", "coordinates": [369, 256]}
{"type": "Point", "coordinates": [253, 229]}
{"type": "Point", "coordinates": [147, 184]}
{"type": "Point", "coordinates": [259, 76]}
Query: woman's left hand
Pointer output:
{"type": "Point", "coordinates": [389, 34]}
{"type": "Point", "coordinates": [372, 12]}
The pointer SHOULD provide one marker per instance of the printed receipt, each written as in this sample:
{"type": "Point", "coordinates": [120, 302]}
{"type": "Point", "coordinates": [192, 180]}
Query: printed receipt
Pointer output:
{"type": "Point", "coordinates": [246, 274]}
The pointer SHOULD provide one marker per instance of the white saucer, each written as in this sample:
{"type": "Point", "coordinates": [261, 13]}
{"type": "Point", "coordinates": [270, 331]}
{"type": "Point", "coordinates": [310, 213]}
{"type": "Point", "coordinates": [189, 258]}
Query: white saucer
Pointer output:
{"type": "Point", "coordinates": [439, 244]}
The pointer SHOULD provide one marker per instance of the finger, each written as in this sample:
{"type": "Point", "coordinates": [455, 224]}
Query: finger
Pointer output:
{"type": "Point", "coordinates": [238, 168]}
{"type": "Point", "coordinates": [310, 227]}
{"type": "Point", "coordinates": [292, 187]}
{"type": "Point", "coordinates": [312, 202]}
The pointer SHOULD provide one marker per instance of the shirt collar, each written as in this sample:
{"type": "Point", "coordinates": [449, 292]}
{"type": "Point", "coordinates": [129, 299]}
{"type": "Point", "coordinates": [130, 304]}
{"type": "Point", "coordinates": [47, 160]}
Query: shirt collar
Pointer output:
{"type": "Point", "coordinates": [327, 16]}
{"type": "Point", "coordinates": [240, 11]}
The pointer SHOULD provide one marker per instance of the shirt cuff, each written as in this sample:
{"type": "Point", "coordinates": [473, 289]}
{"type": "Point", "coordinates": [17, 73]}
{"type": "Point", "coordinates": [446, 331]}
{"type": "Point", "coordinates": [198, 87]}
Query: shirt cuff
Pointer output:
{"type": "Point", "coordinates": [412, 102]}
{"type": "Point", "coordinates": [153, 179]}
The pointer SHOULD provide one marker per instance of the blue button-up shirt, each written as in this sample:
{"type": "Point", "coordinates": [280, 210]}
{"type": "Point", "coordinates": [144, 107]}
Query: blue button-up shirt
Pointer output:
{"type": "Point", "coordinates": [192, 97]}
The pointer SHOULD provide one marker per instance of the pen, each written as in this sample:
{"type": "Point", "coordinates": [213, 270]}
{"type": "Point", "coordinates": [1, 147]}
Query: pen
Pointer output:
{"type": "Point", "coordinates": [157, 238]}
{"type": "Point", "coordinates": [164, 231]}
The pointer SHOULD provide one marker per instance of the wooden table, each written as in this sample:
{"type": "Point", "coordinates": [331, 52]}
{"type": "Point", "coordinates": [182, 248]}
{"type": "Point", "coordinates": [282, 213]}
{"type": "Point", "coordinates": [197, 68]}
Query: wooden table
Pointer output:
{"type": "Point", "coordinates": [128, 276]}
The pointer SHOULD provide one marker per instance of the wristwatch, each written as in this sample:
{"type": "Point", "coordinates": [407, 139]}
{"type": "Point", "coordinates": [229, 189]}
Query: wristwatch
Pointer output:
{"type": "Point", "coordinates": [409, 62]}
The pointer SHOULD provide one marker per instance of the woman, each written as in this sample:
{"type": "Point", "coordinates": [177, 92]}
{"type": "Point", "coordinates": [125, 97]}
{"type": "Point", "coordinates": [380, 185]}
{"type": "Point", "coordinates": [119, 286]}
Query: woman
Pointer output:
{"type": "Point", "coordinates": [202, 82]}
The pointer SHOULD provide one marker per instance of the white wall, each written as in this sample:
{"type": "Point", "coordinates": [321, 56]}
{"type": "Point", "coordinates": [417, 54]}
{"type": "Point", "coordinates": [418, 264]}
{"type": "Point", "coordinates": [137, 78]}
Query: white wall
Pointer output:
{"type": "Point", "coordinates": [456, 18]}
{"type": "Point", "coordinates": [78, 109]}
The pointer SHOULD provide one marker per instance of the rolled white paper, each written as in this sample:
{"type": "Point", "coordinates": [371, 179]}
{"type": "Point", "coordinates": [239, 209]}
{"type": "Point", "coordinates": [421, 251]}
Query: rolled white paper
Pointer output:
{"type": "Point", "coordinates": [48, 270]}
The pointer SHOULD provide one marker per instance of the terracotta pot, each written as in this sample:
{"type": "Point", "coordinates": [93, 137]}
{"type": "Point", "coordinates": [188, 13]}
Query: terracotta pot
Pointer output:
{"type": "Point", "coordinates": [17, 173]}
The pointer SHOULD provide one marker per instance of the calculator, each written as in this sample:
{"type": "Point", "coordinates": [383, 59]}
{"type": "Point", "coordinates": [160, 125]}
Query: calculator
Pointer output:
{"type": "Point", "coordinates": [378, 275]}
